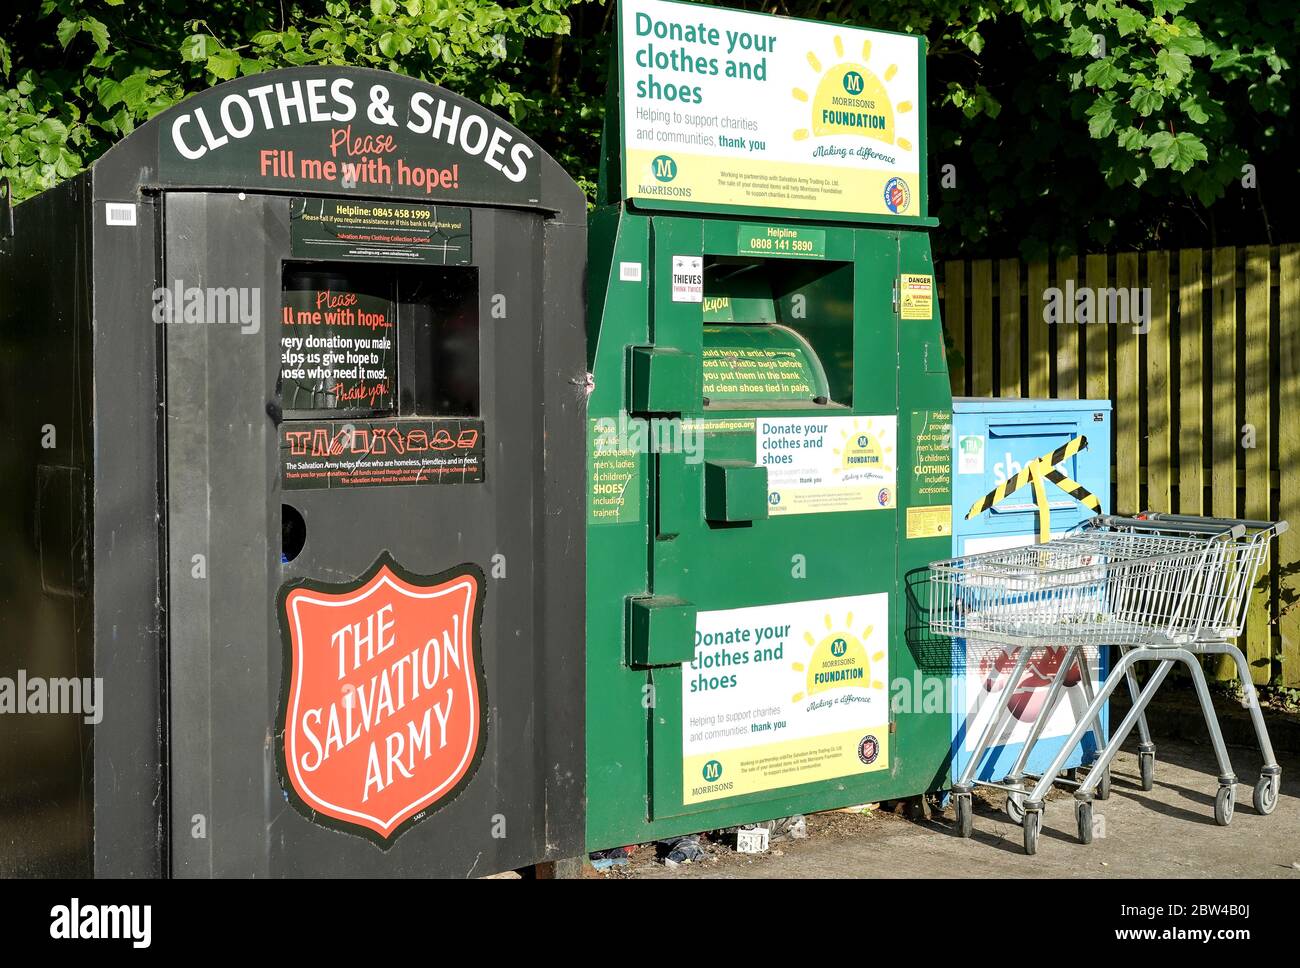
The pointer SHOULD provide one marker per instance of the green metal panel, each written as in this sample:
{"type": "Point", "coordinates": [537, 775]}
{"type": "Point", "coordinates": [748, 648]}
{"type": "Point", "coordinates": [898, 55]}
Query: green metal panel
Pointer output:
{"type": "Point", "coordinates": [663, 380]}
{"type": "Point", "coordinates": [697, 544]}
{"type": "Point", "coordinates": [661, 631]}
{"type": "Point", "coordinates": [734, 490]}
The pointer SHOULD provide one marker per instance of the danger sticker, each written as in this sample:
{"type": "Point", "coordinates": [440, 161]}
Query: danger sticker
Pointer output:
{"type": "Point", "coordinates": [916, 296]}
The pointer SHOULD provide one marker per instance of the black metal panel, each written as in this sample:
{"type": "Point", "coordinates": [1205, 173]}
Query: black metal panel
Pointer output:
{"type": "Point", "coordinates": [46, 461]}
{"type": "Point", "coordinates": [129, 595]}
{"type": "Point", "coordinates": [224, 498]}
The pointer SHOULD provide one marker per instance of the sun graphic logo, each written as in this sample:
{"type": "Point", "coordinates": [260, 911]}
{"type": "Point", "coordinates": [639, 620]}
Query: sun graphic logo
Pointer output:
{"type": "Point", "coordinates": [840, 659]}
{"type": "Point", "coordinates": [863, 448]}
{"type": "Point", "coordinates": [851, 100]}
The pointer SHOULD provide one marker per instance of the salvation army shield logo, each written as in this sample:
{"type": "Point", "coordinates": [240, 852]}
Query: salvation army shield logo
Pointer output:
{"type": "Point", "coordinates": [383, 705]}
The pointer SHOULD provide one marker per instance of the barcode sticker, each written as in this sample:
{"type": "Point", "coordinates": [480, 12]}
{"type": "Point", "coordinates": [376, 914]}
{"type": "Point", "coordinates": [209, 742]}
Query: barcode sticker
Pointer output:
{"type": "Point", "coordinates": [119, 213]}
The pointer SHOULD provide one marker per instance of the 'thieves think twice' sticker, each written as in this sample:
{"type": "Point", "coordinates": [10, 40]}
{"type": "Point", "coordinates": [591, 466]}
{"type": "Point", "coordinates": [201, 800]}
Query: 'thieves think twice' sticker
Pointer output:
{"type": "Point", "coordinates": [688, 278]}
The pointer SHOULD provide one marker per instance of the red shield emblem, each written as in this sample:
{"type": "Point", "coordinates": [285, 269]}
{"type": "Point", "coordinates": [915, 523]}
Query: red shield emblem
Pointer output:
{"type": "Point", "coordinates": [383, 706]}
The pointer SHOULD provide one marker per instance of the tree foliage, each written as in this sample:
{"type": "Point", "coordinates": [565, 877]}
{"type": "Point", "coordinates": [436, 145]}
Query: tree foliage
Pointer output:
{"type": "Point", "coordinates": [1053, 124]}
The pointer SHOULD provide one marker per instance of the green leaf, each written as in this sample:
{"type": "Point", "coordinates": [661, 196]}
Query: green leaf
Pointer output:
{"type": "Point", "coordinates": [108, 92]}
{"type": "Point", "coordinates": [194, 48]}
{"type": "Point", "coordinates": [224, 64]}
{"type": "Point", "coordinates": [1178, 152]}
{"type": "Point", "coordinates": [1225, 58]}
{"type": "Point", "coordinates": [1080, 41]}
{"type": "Point", "coordinates": [98, 32]}
{"type": "Point", "coordinates": [1101, 118]}
{"type": "Point", "coordinates": [1146, 101]}
{"type": "Point", "coordinates": [1194, 110]}
{"type": "Point", "coordinates": [135, 91]}
{"type": "Point", "coordinates": [1132, 139]}
{"type": "Point", "coordinates": [1103, 74]}
{"type": "Point", "coordinates": [1174, 64]}
{"type": "Point", "coordinates": [67, 30]}
{"type": "Point", "coordinates": [1129, 21]}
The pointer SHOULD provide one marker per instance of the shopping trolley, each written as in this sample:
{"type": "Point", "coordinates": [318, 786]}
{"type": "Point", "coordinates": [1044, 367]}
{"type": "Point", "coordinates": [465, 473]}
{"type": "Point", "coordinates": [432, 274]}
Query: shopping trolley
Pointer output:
{"type": "Point", "coordinates": [1158, 587]}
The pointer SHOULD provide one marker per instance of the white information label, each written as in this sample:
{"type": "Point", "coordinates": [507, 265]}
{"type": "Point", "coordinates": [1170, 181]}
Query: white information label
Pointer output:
{"type": "Point", "coordinates": [970, 454]}
{"type": "Point", "coordinates": [629, 271]}
{"type": "Point", "coordinates": [821, 464]}
{"type": "Point", "coordinates": [119, 213]}
{"type": "Point", "coordinates": [780, 695]}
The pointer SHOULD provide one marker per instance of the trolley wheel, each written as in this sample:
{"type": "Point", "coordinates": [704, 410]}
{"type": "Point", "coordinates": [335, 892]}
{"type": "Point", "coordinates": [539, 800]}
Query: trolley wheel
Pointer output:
{"type": "Point", "coordinates": [1224, 802]}
{"type": "Point", "coordinates": [965, 821]}
{"type": "Point", "coordinates": [1015, 806]}
{"type": "Point", "coordinates": [1147, 769]}
{"type": "Point", "coordinates": [1032, 824]}
{"type": "Point", "coordinates": [1083, 813]}
{"type": "Point", "coordinates": [1103, 787]}
{"type": "Point", "coordinates": [1266, 794]}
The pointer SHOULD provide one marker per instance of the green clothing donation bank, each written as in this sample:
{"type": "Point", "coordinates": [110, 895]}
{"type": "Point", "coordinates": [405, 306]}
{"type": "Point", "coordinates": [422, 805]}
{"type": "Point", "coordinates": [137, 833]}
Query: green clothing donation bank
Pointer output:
{"type": "Point", "coordinates": [768, 428]}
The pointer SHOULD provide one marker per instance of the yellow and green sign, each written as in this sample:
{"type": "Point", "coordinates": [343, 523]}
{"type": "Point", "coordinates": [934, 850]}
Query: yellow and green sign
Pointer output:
{"type": "Point", "coordinates": [724, 108]}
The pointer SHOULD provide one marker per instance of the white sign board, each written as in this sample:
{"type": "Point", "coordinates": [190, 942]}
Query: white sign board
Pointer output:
{"type": "Point", "coordinates": [729, 108]}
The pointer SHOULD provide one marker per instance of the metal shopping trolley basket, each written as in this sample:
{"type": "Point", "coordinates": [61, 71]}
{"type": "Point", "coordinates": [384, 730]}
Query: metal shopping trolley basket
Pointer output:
{"type": "Point", "coordinates": [1160, 588]}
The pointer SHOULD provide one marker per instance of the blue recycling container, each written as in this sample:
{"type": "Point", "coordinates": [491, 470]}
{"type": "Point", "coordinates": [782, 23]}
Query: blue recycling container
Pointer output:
{"type": "Point", "coordinates": [992, 441]}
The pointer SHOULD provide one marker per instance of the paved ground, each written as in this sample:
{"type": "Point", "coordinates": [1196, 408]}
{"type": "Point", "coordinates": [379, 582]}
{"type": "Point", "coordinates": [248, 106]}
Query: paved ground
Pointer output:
{"type": "Point", "coordinates": [1168, 832]}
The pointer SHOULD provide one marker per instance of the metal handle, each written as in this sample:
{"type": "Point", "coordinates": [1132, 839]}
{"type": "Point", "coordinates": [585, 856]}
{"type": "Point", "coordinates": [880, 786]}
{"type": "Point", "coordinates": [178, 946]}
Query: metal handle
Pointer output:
{"type": "Point", "coordinates": [1277, 527]}
{"type": "Point", "coordinates": [1188, 525]}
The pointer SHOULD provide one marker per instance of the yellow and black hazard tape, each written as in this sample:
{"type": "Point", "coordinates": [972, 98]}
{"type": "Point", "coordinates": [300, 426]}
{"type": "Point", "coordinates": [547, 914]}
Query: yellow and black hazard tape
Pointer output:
{"type": "Point", "coordinates": [1037, 471]}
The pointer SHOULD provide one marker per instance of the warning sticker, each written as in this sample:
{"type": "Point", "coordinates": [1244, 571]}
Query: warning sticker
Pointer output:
{"type": "Point", "coordinates": [820, 464]}
{"type": "Point", "coordinates": [916, 296]}
{"type": "Point", "coordinates": [688, 278]}
{"type": "Point", "coordinates": [373, 453]}
{"type": "Point", "coordinates": [929, 522]}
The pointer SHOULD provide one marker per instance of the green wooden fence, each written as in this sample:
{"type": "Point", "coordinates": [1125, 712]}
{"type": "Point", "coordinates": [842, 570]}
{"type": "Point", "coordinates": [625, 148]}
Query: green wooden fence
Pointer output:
{"type": "Point", "coordinates": [1206, 395]}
